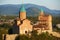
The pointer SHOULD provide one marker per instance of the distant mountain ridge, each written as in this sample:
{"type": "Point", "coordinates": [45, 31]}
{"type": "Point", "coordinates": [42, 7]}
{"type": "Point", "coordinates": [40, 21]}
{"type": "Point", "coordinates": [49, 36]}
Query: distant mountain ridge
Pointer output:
{"type": "Point", "coordinates": [30, 8]}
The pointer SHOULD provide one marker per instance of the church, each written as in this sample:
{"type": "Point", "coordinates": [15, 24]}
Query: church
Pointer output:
{"type": "Point", "coordinates": [23, 26]}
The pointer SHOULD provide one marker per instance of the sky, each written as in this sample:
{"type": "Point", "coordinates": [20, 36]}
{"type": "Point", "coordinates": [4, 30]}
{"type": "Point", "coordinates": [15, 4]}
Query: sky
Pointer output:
{"type": "Point", "coordinates": [51, 4]}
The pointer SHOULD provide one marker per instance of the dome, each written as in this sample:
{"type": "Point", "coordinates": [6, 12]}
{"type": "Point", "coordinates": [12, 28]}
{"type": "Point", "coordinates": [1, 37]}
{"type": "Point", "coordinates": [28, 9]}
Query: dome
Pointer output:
{"type": "Point", "coordinates": [22, 9]}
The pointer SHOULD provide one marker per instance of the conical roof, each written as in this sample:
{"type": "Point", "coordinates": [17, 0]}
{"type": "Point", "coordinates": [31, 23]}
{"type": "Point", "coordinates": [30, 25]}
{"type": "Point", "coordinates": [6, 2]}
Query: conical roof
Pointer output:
{"type": "Point", "coordinates": [41, 12]}
{"type": "Point", "coordinates": [22, 9]}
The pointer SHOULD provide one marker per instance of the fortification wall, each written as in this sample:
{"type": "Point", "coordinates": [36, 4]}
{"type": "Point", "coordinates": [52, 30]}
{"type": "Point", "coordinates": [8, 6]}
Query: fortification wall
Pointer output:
{"type": "Point", "coordinates": [9, 36]}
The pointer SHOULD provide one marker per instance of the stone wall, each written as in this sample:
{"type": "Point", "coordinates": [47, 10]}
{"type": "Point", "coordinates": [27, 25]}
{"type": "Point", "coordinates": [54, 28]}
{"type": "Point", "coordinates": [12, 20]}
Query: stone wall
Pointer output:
{"type": "Point", "coordinates": [9, 36]}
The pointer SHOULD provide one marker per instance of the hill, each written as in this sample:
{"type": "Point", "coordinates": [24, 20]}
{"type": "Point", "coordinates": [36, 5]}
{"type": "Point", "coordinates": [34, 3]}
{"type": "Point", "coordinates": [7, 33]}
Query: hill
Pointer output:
{"type": "Point", "coordinates": [31, 9]}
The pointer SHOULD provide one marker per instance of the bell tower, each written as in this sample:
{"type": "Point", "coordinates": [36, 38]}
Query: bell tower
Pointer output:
{"type": "Point", "coordinates": [41, 14]}
{"type": "Point", "coordinates": [22, 14]}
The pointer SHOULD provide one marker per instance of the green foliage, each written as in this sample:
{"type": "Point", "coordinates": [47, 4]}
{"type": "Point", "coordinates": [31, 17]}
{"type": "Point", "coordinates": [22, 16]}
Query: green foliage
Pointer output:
{"type": "Point", "coordinates": [56, 20]}
{"type": "Point", "coordinates": [4, 25]}
{"type": "Point", "coordinates": [57, 29]}
{"type": "Point", "coordinates": [34, 36]}
{"type": "Point", "coordinates": [7, 17]}
{"type": "Point", "coordinates": [4, 29]}
{"type": "Point", "coordinates": [0, 36]}
{"type": "Point", "coordinates": [33, 19]}
{"type": "Point", "coordinates": [22, 37]}
{"type": "Point", "coordinates": [45, 36]}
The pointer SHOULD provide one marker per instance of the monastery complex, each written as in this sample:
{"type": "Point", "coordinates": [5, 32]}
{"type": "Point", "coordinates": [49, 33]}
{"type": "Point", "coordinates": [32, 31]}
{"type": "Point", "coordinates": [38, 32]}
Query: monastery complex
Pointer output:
{"type": "Point", "coordinates": [23, 26]}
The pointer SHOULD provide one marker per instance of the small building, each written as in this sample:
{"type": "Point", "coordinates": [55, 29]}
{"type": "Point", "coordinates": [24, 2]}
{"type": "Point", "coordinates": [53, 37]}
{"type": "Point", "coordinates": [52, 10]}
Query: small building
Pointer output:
{"type": "Point", "coordinates": [58, 25]}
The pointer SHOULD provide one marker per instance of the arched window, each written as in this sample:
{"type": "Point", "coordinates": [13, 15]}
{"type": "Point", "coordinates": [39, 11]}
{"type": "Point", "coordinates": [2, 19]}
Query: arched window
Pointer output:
{"type": "Point", "coordinates": [26, 32]}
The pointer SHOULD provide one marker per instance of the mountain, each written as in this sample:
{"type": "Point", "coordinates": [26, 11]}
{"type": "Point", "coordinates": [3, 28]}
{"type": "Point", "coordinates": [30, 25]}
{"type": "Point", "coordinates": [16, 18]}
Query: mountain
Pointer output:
{"type": "Point", "coordinates": [32, 9]}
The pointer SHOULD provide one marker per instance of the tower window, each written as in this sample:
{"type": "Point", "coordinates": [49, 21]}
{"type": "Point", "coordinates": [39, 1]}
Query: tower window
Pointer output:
{"type": "Point", "coordinates": [26, 32]}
